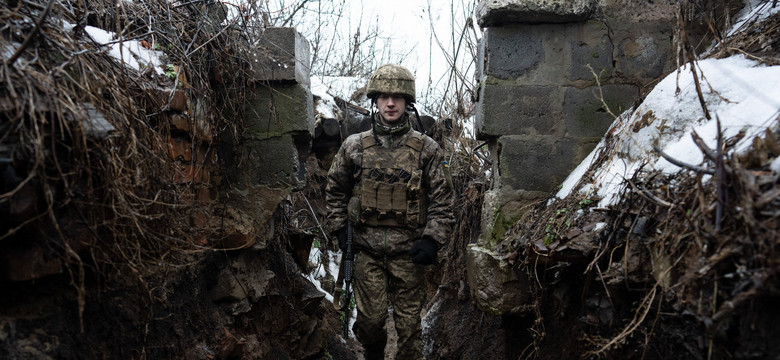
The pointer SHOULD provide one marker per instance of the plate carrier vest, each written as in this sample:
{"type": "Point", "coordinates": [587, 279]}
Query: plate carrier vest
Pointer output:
{"type": "Point", "coordinates": [390, 190]}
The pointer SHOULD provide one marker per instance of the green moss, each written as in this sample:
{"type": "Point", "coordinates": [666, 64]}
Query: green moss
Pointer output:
{"type": "Point", "coordinates": [493, 311]}
{"type": "Point", "coordinates": [501, 224]}
{"type": "Point", "coordinates": [604, 74]}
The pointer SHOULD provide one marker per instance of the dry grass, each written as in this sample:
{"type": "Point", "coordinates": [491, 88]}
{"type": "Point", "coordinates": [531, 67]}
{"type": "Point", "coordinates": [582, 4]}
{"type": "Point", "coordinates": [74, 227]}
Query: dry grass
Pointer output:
{"type": "Point", "coordinates": [112, 196]}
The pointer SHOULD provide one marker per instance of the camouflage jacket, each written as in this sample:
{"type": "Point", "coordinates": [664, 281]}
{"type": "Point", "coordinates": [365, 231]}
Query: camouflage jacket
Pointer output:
{"type": "Point", "coordinates": [344, 178]}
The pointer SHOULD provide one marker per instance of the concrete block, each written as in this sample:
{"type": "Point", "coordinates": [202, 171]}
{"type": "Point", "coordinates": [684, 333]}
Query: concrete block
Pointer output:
{"type": "Point", "coordinates": [535, 163]}
{"type": "Point", "coordinates": [510, 52]}
{"type": "Point", "coordinates": [589, 44]}
{"type": "Point", "coordinates": [275, 162]}
{"type": "Point", "coordinates": [498, 12]}
{"type": "Point", "coordinates": [281, 109]}
{"type": "Point", "coordinates": [586, 115]}
{"type": "Point", "coordinates": [518, 110]}
{"type": "Point", "coordinates": [542, 54]}
{"type": "Point", "coordinates": [495, 285]}
{"type": "Point", "coordinates": [282, 54]}
{"type": "Point", "coordinates": [643, 55]}
{"type": "Point", "coordinates": [502, 208]}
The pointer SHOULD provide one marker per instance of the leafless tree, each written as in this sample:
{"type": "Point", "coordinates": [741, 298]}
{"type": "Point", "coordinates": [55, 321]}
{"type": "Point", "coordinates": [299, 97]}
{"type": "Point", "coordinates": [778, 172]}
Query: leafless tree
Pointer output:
{"type": "Point", "coordinates": [343, 42]}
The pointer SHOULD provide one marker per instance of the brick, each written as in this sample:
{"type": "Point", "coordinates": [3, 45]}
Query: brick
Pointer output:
{"type": "Point", "coordinates": [191, 173]}
{"type": "Point", "coordinates": [281, 54]}
{"type": "Point", "coordinates": [204, 196]}
{"type": "Point", "coordinates": [236, 241]}
{"type": "Point", "coordinates": [518, 110]}
{"type": "Point", "coordinates": [200, 239]}
{"type": "Point", "coordinates": [586, 115]}
{"type": "Point", "coordinates": [180, 123]}
{"type": "Point", "coordinates": [205, 155]}
{"type": "Point", "coordinates": [535, 163]}
{"type": "Point", "coordinates": [177, 100]}
{"type": "Point", "coordinates": [199, 219]}
{"type": "Point", "coordinates": [180, 149]}
{"type": "Point", "coordinates": [24, 202]}
{"type": "Point", "coordinates": [29, 259]}
{"type": "Point", "coordinates": [272, 111]}
{"type": "Point", "coordinates": [28, 263]}
{"type": "Point", "coordinates": [498, 12]}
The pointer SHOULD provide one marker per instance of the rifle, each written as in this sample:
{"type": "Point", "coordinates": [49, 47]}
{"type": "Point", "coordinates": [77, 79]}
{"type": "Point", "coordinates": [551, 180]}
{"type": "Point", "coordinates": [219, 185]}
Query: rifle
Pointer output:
{"type": "Point", "coordinates": [347, 262]}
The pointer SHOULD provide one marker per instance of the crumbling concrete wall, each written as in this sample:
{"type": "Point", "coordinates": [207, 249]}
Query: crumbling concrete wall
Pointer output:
{"type": "Point", "coordinates": [267, 161]}
{"type": "Point", "coordinates": [552, 76]}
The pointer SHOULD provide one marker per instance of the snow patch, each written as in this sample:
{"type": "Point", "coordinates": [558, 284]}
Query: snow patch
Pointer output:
{"type": "Point", "coordinates": [739, 92]}
{"type": "Point", "coordinates": [319, 273]}
{"type": "Point", "coordinates": [129, 52]}
{"type": "Point", "coordinates": [330, 87]}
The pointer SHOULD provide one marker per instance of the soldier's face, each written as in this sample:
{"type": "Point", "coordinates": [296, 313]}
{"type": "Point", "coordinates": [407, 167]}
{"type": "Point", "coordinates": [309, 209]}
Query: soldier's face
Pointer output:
{"type": "Point", "coordinates": [391, 108]}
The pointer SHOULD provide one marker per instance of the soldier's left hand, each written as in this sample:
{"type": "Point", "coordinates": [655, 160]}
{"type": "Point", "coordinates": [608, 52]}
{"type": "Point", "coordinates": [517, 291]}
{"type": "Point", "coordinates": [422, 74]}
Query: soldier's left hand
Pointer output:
{"type": "Point", "coordinates": [424, 251]}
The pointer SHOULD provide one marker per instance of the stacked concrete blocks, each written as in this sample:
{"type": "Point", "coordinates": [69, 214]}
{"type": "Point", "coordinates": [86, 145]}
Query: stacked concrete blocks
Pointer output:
{"type": "Point", "coordinates": [553, 74]}
{"type": "Point", "coordinates": [267, 160]}
{"type": "Point", "coordinates": [279, 109]}
{"type": "Point", "coordinates": [550, 72]}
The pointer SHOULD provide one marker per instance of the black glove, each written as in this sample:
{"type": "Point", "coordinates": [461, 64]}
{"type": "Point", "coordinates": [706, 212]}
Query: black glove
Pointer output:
{"type": "Point", "coordinates": [424, 251]}
{"type": "Point", "coordinates": [341, 235]}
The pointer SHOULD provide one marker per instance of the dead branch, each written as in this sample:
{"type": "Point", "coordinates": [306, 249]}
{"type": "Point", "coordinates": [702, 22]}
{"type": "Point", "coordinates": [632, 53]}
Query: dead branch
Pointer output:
{"type": "Point", "coordinates": [681, 164]}
{"type": "Point", "coordinates": [649, 196]}
{"type": "Point", "coordinates": [691, 58]}
{"type": "Point", "coordinates": [720, 178]}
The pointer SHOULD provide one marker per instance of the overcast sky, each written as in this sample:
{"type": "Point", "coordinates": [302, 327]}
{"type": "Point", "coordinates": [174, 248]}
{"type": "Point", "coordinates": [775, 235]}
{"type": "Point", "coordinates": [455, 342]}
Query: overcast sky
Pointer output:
{"type": "Point", "coordinates": [406, 32]}
{"type": "Point", "coordinates": [408, 22]}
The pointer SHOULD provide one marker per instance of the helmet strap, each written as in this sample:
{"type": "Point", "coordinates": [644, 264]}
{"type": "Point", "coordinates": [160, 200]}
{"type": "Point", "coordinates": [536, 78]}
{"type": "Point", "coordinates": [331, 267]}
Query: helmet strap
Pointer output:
{"type": "Point", "coordinates": [373, 122]}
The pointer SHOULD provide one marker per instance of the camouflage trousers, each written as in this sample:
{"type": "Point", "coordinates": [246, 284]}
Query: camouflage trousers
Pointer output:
{"type": "Point", "coordinates": [380, 282]}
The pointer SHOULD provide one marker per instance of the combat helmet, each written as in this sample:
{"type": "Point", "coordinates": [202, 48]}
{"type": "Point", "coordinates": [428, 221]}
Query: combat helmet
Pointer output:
{"type": "Point", "coordinates": [391, 79]}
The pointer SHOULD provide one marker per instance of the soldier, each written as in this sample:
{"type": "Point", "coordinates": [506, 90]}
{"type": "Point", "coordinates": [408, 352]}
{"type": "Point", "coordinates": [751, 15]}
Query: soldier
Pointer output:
{"type": "Point", "coordinates": [392, 183]}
